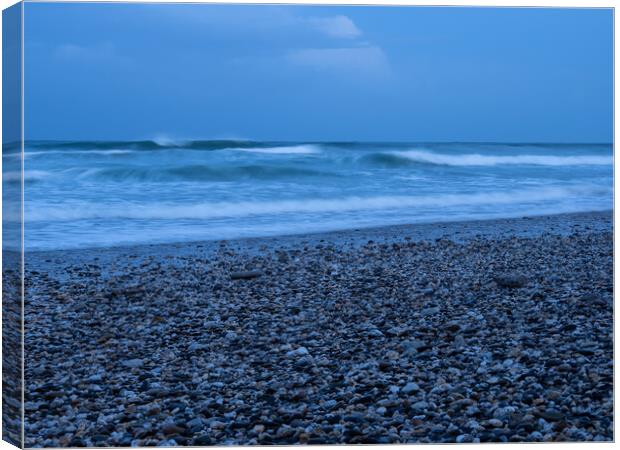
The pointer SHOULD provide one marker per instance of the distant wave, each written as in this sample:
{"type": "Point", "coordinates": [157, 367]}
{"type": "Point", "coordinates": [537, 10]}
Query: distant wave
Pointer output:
{"type": "Point", "coordinates": [215, 210]}
{"type": "Point", "coordinates": [125, 147]}
{"type": "Point", "coordinates": [426, 157]}
{"type": "Point", "coordinates": [383, 155]}
{"type": "Point", "coordinates": [198, 172]}
{"type": "Point", "coordinates": [292, 150]}
{"type": "Point", "coordinates": [156, 144]}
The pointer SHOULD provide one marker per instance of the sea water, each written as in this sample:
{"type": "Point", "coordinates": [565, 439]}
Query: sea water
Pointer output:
{"type": "Point", "coordinates": [93, 194]}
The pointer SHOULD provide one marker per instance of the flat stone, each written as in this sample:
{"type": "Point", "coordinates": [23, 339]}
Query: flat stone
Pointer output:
{"type": "Point", "coordinates": [245, 275]}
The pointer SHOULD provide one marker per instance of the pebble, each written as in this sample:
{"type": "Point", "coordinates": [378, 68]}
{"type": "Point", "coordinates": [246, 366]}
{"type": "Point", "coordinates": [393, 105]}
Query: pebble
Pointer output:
{"type": "Point", "coordinates": [133, 363]}
{"type": "Point", "coordinates": [301, 351]}
{"type": "Point", "coordinates": [410, 388]}
{"type": "Point", "coordinates": [245, 275]}
{"type": "Point", "coordinates": [350, 342]}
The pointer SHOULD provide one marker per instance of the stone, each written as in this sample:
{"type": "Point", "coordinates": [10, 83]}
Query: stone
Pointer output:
{"type": "Point", "coordinates": [410, 388]}
{"type": "Point", "coordinates": [512, 281]}
{"type": "Point", "coordinates": [374, 333]}
{"type": "Point", "coordinates": [133, 363]}
{"type": "Point", "coordinates": [430, 311]}
{"type": "Point", "coordinates": [245, 275]}
{"type": "Point", "coordinates": [301, 351]}
{"type": "Point", "coordinates": [496, 423]}
{"type": "Point", "coordinates": [420, 406]}
{"type": "Point", "coordinates": [551, 414]}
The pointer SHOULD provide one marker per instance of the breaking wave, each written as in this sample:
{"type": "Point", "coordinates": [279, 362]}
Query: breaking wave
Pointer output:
{"type": "Point", "coordinates": [200, 172]}
{"type": "Point", "coordinates": [427, 157]}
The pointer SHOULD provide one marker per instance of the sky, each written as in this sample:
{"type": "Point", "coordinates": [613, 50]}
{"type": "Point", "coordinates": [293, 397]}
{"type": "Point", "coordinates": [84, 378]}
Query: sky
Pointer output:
{"type": "Point", "coordinates": [317, 73]}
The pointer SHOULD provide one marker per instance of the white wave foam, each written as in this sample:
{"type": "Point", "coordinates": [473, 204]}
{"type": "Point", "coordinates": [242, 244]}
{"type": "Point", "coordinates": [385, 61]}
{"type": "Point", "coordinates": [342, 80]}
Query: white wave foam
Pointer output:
{"type": "Point", "coordinates": [492, 160]}
{"type": "Point", "coordinates": [205, 211]}
{"type": "Point", "coordinates": [111, 152]}
{"type": "Point", "coordinates": [292, 150]}
{"type": "Point", "coordinates": [167, 141]}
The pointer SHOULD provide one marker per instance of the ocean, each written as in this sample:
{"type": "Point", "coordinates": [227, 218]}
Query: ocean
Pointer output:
{"type": "Point", "coordinates": [99, 194]}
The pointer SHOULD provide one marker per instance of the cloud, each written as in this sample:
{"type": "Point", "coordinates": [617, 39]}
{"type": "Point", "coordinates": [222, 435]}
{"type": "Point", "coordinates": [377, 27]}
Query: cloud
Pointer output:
{"type": "Point", "coordinates": [269, 19]}
{"type": "Point", "coordinates": [369, 60]}
{"type": "Point", "coordinates": [259, 37]}
{"type": "Point", "coordinates": [335, 26]}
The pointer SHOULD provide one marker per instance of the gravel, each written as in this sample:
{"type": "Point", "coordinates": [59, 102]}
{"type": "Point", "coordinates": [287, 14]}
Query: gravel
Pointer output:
{"type": "Point", "coordinates": [499, 333]}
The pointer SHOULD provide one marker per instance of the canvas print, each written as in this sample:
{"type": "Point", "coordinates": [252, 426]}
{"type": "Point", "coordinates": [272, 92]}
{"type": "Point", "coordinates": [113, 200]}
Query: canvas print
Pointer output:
{"type": "Point", "coordinates": [230, 224]}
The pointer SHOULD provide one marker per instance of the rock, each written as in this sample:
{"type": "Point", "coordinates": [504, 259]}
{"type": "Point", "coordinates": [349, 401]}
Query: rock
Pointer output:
{"type": "Point", "coordinates": [133, 363]}
{"type": "Point", "coordinates": [304, 362]}
{"type": "Point", "coordinates": [233, 366]}
{"type": "Point", "coordinates": [510, 280]}
{"type": "Point", "coordinates": [96, 377]}
{"type": "Point", "coordinates": [194, 346]}
{"type": "Point", "coordinates": [231, 336]}
{"type": "Point", "coordinates": [203, 440]}
{"type": "Point", "coordinates": [535, 436]}
{"type": "Point", "coordinates": [195, 423]}
{"type": "Point", "coordinates": [170, 429]}
{"type": "Point", "coordinates": [329, 404]}
{"type": "Point", "coordinates": [430, 311]}
{"type": "Point", "coordinates": [374, 333]}
{"type": "Point", "coordinates": [464, 438]}
{"type": "Point", "coordinates": [413, 346]}
{"type": "Point", "coordinates": [419, 406]}
{"type": "Point", "coordinates": [550, 414]}
{"type": "Point", "coordinates": [496, 423]}
{"type": "Point", "coordinates": [472, 410]}
{"type": "Point", "coordinates": [410, 388]}
{"type": "Point", "coordinates": [301, 351]}
{"type": "Point", "coordinates": [459, 341]}
{"type": "Point", "coordinates": [504, 413]}
{"type": "Point", "coordinates": [452, 327]}
{"type": "Point", "coordinates": [245, 275]}
{"type": "Point", "coordinates": [397, 331]}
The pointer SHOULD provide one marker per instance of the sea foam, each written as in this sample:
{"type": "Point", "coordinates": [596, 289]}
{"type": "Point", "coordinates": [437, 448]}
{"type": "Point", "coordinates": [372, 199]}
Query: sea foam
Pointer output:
{"type": "Point", "coordinates": [474, 159]}
{"type": "Point", "coordinates": [215, 210]}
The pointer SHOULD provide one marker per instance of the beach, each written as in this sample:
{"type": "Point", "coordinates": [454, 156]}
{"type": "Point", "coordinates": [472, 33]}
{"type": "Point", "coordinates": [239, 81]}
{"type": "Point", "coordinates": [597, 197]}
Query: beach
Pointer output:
{"type": "Point", "coordinates": [478, 331]}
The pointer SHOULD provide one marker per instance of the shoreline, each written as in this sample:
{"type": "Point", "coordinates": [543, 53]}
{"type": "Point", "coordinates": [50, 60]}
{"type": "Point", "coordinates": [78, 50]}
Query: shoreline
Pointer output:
{"type": "Point", "coordinates": [458, 230]}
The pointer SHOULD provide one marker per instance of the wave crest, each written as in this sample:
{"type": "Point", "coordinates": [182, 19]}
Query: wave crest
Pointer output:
{"type": "Point", "coordinates": [474, 159]}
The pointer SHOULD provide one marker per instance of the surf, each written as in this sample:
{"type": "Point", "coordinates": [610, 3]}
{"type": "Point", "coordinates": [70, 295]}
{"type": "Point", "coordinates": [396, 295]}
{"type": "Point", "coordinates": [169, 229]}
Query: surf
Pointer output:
{"type": "Point", "coordinates": [215, 210]}
{"type": "Point", "coordinates": [475, 159]}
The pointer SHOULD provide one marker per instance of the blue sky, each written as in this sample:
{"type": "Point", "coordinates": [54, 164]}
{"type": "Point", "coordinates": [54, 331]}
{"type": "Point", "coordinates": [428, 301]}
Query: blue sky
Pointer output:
{"type": "Point", "coordinates": [140, 71]}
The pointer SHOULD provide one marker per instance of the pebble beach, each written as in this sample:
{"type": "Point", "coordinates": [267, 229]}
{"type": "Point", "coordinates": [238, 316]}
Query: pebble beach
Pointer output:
{"type": "Point", "coordinates": [487, 331]}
